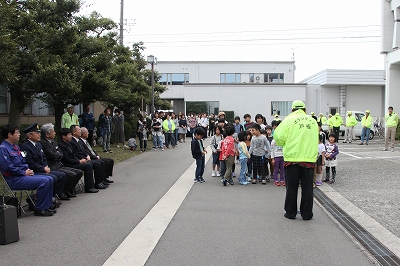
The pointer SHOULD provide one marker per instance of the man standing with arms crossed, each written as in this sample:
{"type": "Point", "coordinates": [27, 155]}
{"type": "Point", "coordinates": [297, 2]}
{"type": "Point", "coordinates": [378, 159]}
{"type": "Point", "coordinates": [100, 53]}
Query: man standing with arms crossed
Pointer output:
{"type": "Point", "coordinates": [298, 135]}
{"type": "Point", "coordinates": [392, 120]}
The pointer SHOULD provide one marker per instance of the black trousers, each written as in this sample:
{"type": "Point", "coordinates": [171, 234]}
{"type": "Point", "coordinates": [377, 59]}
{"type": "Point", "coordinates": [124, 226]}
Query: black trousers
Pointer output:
{"type": "Point", "coordinates": [59, 179]}
{"type": "Point", "coordinates": [336, 130]}
{"type": "Point", "coordinates": [90, 137]}
{"type": "Point", "coordinates": [73, 176]}
{"type": "Point", "coordinates": [87, 169]}
{"type": "Point", "coordinates": [295, 173]}
{"type": "Point", "coordinates": [109, 165]}
{"type": "Point", "coordinates": [99, 170]}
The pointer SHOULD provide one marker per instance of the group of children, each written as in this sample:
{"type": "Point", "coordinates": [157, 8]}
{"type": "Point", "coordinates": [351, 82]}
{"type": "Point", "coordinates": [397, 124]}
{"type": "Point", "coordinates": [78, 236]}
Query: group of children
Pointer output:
{"type": "Point", "coordinates": [256, 151]}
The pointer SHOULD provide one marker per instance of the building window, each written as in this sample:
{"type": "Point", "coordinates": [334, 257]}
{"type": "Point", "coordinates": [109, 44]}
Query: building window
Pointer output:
{"type": "Point", "coordinates": [3, 100]}
{"type": "Point", "coordinates": [273, 77]}
{"type": "Point", "coordinates": [174, 78]}
{"type": "Point", "coordinates": [281, 108]}
{"type": "Point", "coordinates": [230, 77]}
{"type": "Point", "coordinates": [251, 77]}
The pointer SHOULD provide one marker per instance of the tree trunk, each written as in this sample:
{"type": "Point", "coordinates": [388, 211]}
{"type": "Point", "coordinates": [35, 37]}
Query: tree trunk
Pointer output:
{"type": "Point", "coordinates": [58, 112]}
{"type": "Point", "coordinates": [17, 105]}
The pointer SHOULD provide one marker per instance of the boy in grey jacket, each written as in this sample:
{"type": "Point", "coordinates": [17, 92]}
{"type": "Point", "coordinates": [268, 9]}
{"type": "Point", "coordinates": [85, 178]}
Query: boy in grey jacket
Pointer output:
{"type": "Point", "coordinates": [259, 147]}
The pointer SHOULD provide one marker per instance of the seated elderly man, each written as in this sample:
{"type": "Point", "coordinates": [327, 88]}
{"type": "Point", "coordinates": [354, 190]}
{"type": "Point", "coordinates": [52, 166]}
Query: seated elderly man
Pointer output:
{"type": "Point", "coordinates": [80, 152]}
{"type": "Point", "coordinates": [108, 162]}
{"type": "Point", "coordinates": [37, 161]}
{"type": "Point", "coordinates": [18, 175]}
{"type": "Point", "coordinates": [54, 156]}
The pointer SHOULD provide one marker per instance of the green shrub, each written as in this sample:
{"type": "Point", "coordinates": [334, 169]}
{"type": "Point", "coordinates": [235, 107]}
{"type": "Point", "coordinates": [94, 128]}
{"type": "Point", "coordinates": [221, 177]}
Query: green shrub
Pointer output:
{"type": "Point", "coordinates": [230, 116]}
{"type": "Point", "coordinates": [128, 130]}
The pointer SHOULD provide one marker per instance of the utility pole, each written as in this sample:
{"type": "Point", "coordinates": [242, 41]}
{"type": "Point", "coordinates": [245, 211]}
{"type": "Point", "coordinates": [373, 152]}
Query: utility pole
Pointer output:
{"type": "Point", "coordinates": [121, 24]}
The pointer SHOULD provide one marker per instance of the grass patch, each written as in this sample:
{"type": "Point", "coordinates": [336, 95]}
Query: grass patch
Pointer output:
{"type": "Point", "coordinates": [120, 154]}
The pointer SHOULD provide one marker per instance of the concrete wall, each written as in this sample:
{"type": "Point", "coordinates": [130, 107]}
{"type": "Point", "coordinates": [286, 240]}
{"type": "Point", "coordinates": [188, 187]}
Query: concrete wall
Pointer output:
{"type": "Point", "coordinates": [245, 98]}
{"type": "Point", "coordinates": [209, 71]}
{"type": "Point", "coordinates": [373, 99]}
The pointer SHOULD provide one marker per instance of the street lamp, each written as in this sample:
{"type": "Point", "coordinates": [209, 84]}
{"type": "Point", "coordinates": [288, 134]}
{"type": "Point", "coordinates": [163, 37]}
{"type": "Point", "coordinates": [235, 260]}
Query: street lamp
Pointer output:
{"type": "Point", "coordinates": [152, 60]}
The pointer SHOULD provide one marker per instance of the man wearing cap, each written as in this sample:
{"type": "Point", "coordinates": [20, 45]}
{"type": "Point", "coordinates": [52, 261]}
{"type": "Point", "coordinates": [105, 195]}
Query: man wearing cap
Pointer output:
{"type": "Point", "coordinates": [329, 122]}
{"type": "Point", "coordinates": [366, 122]}
{"type": "Point", "coordinates": [69, 118]}
{"type": "Point", "coordinates": [351, 121]}
{"type": "Point", "coordinates": [313, 116]}
{"type": "Point", "coordinates": [18, 175]}
{"type": "Point", "coordinates": [36, 160]}
{"type": "Point", "coordinates": [321, 119]}
{"type": "Point", "coordinates": [277, 118]}
{"type": "Point", "coordinates": [392, 121]}
{"type": "Point", "coordinates": [298, 135]}
{"type": "Point", "coordinates": [336, 122]}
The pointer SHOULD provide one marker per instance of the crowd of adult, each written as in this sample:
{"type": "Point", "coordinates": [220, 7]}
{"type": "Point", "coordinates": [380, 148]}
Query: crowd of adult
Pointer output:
{"type": "Point", "coordinates": [52, 169]}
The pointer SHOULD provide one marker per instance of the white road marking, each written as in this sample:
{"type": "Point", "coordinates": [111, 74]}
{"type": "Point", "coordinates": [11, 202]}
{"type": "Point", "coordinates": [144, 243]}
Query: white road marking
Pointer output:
{"type": "Point", "coordinates": [351, 155]}
{"type": "Point", "coordinates": [140, 243]}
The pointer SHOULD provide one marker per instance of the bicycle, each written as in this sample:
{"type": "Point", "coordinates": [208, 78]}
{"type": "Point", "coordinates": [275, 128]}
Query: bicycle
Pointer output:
{"type": "Point", "coordinates": [379, 130]}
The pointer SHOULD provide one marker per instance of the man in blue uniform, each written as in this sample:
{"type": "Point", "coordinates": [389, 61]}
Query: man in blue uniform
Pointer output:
{"type": "Point", "coordinates": [18, 175]}
{"type": "Point", "coordinates": [36, 160]}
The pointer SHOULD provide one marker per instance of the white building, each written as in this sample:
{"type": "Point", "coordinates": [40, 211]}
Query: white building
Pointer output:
{"type": "Point", "coordinates": [390, 44]}
{"type": "Point", "coordinates": [338, 91]}
{"type": "Point", "coordinates": [268, 88]}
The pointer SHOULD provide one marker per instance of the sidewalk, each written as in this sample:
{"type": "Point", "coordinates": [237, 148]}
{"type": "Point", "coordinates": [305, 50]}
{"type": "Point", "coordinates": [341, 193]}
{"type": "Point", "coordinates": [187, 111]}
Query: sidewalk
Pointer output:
{"type": "Point", "coordinates": [215, 225]}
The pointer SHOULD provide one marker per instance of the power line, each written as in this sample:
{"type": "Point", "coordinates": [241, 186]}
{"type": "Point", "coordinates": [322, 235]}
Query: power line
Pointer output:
{"type": "Point", "coordinates": [265, 39]}
{"type": "Point", "coordinates": [260, 31]}
{"type": "Point", "coordinates": [264, 44]}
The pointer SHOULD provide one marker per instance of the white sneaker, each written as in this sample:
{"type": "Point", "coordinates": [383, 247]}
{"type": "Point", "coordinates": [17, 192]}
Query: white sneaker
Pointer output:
{"type": "Point", "coordinates": [218, 174]}
{"type": "Point", "coordinates": [213, 173]}
{"type": "Point", "coordinates": [126, 146]}
{"type": "Point", "coordinates": [117, 146]}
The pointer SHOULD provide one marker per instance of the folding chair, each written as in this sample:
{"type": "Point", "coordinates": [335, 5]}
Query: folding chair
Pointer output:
{"type": "Point", "coordinates": [15, 192]}
{"type": "Point", "coordinates": [80, 186]}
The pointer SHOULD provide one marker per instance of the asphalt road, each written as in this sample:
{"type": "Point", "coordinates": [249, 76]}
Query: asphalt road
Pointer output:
{"type": "Point", "coordinates": [215, 225]}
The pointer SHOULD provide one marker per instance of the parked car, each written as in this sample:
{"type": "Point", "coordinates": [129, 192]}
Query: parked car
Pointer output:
{"type": "Point", "coordinates": [357, 128]}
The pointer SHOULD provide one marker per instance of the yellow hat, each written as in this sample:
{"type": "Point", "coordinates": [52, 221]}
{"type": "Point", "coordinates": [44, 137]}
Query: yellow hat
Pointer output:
{"type": "Point", "coordinates": [321, 114]}
{"type": "Point", "coordinates": [349, 112]}
{"type": "Point", "coordinates": [368, 111]}
{"type": "Point", "coordinates": [276, 116]}
{"type": "Point", "coordinates": [298, 104]}
{"type": "Point", "coordinates": [330, 115]}
{"type": "Point", "coordinates": [312, 113]}
{"type": "Point", "coordinates": [337, 114]}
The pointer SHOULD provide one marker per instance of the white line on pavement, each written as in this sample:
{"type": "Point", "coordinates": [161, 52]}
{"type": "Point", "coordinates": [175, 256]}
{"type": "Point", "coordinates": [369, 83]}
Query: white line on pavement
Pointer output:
{"type": "Point", "coordinates": [351, 155]}
{"type": "Point", "coordinates": [140, 243]}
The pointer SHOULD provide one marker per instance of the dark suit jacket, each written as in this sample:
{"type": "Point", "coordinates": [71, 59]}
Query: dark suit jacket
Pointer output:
{"type": "Point", "coordinates": [92, 156]}
{"type": "Point", "coordinates": [69, 158]}
{"type": "Point", "coordinates": [53, 153]}
{"type": "Point", "coordinates": [35, 157]}
{"type": "Point", "coordinates": [78, 148]}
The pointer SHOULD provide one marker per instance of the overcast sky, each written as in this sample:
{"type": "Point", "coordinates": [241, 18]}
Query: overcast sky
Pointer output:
{"type": "Point", "coordinates": [335, 34]}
